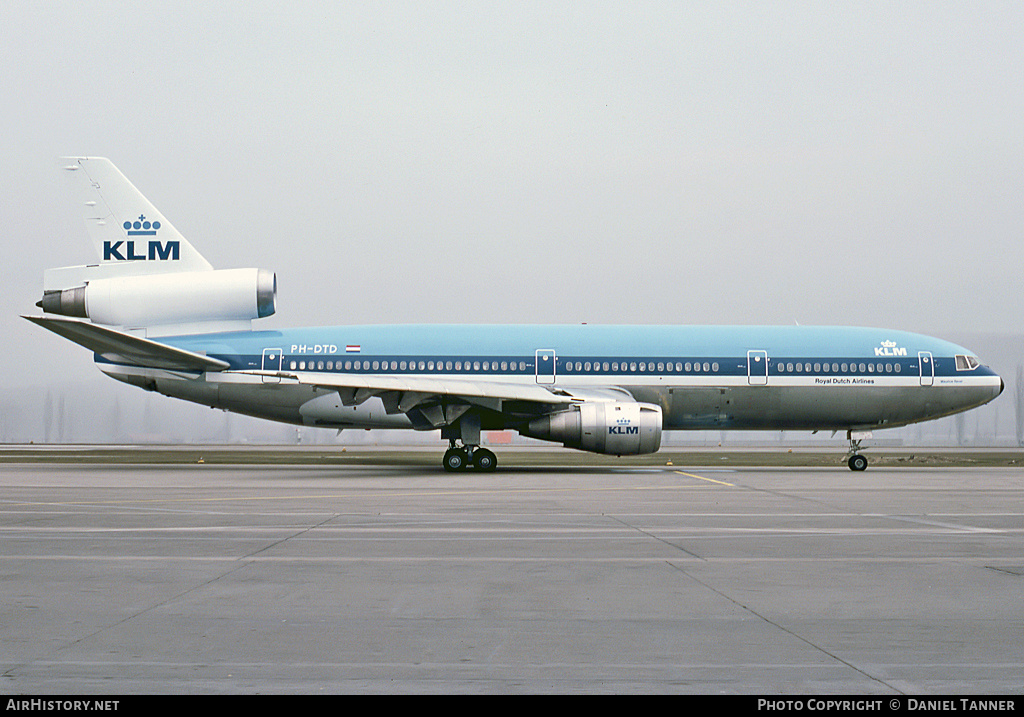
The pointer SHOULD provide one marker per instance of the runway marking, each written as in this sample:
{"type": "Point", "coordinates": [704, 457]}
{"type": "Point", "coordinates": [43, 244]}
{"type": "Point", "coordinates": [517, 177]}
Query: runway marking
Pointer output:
{"type": "Point", "coordinates": [355, 494]}
{"type": "Point", "coordinates": [709, 480]}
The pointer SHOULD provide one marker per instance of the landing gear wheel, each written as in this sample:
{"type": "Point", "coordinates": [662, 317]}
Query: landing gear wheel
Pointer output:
{"type": "Point", "coordinates": [857, 462]}
{"type": "Point", "coordinates": [455, 459]}
{"type": "Point", "coordinates": [484, 460]}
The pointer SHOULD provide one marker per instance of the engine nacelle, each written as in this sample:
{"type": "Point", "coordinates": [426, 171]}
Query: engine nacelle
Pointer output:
{"type": "Point", "coordinates": [615, 428]}
{"type": "Point", "coordinates": [172, 298]}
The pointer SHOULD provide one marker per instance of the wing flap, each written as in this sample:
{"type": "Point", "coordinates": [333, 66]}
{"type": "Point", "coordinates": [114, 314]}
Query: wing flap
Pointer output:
{"type": "Point", "coordinates": [416, 389]}
{"type": "Point", "coordinates": [123, 347]}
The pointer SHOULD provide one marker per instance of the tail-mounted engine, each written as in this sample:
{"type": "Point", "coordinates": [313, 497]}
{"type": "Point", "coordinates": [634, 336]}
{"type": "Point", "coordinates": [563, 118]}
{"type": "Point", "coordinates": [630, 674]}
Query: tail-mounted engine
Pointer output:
{"type": "Point", "coordinates": [226, 295]}
{"type": "Point", "coordinates": [615, 428]}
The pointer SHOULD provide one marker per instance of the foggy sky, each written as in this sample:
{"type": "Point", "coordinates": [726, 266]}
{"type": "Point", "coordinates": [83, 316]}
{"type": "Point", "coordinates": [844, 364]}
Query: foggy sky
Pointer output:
{"type": "Point", "coordinates": [623, 162]}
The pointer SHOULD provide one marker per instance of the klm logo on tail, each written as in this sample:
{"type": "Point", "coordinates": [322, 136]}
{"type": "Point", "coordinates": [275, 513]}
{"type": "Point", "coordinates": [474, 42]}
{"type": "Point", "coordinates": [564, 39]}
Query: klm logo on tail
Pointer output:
{"type": "Point", "coordinates": [141, 227]}
{"type": "Point", "coordinates": [154, 250]}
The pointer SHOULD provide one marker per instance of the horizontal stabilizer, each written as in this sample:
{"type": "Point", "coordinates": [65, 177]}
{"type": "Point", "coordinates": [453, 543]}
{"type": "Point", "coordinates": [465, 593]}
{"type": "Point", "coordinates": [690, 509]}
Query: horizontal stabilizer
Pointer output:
{"type": "Point", "coordinates": [122, 347]}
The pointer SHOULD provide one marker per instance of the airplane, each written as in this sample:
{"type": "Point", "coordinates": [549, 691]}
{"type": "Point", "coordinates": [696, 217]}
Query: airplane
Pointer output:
{"type": "Point", "coordinates": [157, 315]}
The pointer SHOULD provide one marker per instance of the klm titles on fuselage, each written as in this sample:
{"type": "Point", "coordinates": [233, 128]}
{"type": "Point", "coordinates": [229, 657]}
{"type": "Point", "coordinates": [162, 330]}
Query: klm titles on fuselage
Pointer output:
{"type": "Point", "coordinates": [889, 348]}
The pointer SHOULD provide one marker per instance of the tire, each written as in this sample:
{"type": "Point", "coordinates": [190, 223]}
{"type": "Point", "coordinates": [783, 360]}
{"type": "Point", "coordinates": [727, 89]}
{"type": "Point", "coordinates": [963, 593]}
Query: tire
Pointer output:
{"type": "Point", "coordinates": [454, 460]}
{"type": "Point", "coordinates": [484, 460]}
{"type": "Point", "coordinates": [857, 463]}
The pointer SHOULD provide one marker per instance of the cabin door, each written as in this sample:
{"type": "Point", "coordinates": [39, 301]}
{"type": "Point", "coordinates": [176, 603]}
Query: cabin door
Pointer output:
{"type": "Point", "coordinates": [757, 368]}
{"type": "Point", "coordinates": [272, 362]}
{"type": "Point", "coordinates": [927, 364]}
{"type": "Point", "coordinates": [545, 365]}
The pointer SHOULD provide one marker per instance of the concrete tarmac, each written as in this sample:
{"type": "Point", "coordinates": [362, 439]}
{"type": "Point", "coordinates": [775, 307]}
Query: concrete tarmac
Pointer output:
{"type": "Point", "coordinates": [132, 579]}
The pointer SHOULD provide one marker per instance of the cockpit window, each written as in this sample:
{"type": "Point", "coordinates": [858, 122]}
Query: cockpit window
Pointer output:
{"type": "Point", "coordinates": [966, 363]}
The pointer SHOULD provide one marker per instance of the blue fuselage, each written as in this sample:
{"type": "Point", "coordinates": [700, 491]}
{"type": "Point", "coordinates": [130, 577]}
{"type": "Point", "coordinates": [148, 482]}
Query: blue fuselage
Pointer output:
{"type": "Point", "coordinates": [750, 377]}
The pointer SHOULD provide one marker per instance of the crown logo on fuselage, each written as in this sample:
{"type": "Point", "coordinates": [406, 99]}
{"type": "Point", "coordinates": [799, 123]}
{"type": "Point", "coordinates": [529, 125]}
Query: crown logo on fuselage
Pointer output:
{"type": "Point", "coordinates": [888, 348]}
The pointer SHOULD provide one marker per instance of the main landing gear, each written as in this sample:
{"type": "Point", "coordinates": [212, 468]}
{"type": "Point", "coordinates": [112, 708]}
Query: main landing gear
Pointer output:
{"type": "Point", "coordinates": [854, 459]}
{"type": "Point", "coordinates": [458, 458]}
{"type": "Point", "coordinates": [467, 430]}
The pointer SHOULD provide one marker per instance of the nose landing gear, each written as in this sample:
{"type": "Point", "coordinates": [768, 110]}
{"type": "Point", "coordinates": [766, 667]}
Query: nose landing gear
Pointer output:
{"type": "Point", "coordinates": [857, 462]}
{"type": "Point", "coordinates": [854, 459]}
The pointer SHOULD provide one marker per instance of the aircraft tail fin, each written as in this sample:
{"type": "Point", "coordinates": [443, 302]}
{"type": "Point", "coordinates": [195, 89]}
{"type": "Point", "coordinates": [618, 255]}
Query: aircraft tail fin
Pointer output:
{"type": "Point", "coordinates": [148, 277]}
{"type": "Point", "coordinates": [130, 235]}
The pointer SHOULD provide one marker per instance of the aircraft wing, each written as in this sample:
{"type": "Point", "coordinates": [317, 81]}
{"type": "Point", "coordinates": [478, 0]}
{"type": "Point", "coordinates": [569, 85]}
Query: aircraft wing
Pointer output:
{"type": "Point", "coordinates": [123, 347]}
{"type": "Point", "coordinates": [431, 402]}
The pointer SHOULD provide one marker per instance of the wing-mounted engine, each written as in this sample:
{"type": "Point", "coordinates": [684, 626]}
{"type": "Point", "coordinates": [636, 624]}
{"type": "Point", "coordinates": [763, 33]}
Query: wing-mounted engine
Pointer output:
{"type": "Point", "coordinates": [612, 427]}
{"type": "Point", "coordinates": [223, 296]}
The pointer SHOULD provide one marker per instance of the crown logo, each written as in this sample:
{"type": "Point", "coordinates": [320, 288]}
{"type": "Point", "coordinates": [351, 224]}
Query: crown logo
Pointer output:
{"type": "Point", "coordinates": [622, 422]}
{"type": "Point", "coordinates": [141, 227]}
{"type": "Point", "coordinates": [889, 344]}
